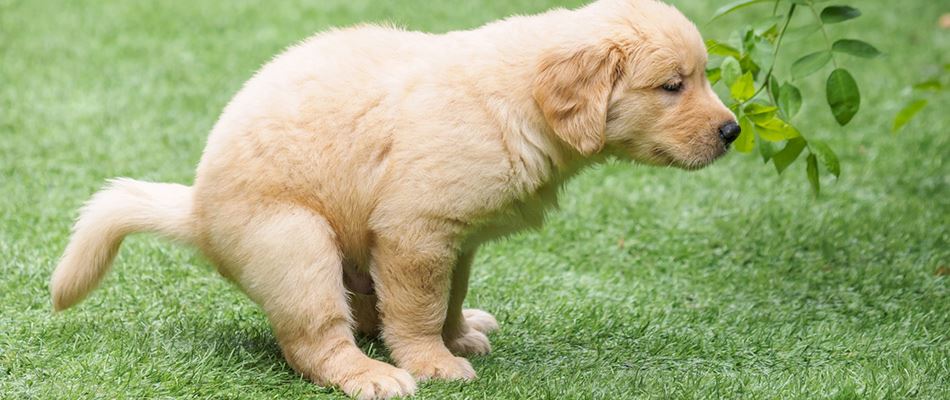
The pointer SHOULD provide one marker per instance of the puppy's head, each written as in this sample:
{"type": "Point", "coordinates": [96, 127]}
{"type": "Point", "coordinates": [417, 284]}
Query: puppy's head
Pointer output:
{"type": "Point", "coordinates": [638, 88]}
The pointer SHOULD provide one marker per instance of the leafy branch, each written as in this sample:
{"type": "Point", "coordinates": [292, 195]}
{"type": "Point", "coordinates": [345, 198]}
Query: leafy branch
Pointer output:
{"type": "Point", "coordinates": [747, 68]}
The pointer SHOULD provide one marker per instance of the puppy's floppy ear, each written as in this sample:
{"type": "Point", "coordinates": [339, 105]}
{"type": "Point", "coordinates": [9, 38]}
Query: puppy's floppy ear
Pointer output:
{"type": "Point", "coordinates": [572, 89]}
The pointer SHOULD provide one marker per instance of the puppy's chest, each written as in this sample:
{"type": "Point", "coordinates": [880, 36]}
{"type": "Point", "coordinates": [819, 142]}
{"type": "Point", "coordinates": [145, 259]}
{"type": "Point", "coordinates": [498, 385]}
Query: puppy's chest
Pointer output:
{"type": "Point", "coordinates": [518, 215]}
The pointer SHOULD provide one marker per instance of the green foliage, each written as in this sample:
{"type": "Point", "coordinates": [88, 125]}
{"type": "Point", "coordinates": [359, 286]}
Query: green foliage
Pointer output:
{"type": "Point", "coordinates": [914, 106]}
{"type": "Point", "coordinates": [789, 154]}
{"type": "Point", "coordinates": [766, 107]}
{"type": "Point", "coordinates": [855, 47]}
{"type": "Point", "coordinates": [746, 140]}
{"type": "Point", "coordinates": [836, 14]}
{"type": "Point", "coordinates": [843, 95]}
{"type": "Point", "coordinates": [744, 88]}
{"type": "Point", "coordinates": [789, 99]}
{"type": "Point", "coordinates": [810, 64]}
{"type": "Point", "coordinates": [812, 170]}
{"type": "Point", "coordinates": [826, 156]}
{"type": "Point", "coordinates": [907, 113]}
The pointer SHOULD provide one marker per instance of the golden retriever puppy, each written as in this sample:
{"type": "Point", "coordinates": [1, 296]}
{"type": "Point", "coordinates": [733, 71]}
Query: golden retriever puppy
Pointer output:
{"type": "Point", "coordinates": [360, 170]}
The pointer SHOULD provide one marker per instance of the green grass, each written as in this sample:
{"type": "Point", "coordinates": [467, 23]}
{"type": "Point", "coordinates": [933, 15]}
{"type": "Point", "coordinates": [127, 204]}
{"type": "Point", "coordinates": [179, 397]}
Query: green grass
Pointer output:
{"type": "Point", "coordinates": [729, 282]}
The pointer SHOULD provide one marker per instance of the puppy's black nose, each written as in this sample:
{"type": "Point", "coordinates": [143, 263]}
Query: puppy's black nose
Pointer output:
{"type": "Point", "coordinates": [729, 132]}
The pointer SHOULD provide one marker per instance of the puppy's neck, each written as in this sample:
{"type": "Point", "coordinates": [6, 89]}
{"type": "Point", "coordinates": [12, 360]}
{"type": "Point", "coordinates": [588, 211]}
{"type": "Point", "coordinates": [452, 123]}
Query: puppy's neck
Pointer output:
{"type": "Point", "coordinates": [503, 77]}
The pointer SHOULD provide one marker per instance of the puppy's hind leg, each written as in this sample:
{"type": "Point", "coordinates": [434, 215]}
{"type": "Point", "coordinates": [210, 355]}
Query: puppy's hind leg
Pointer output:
{"type": "Point", "coordinates": [293, 269]}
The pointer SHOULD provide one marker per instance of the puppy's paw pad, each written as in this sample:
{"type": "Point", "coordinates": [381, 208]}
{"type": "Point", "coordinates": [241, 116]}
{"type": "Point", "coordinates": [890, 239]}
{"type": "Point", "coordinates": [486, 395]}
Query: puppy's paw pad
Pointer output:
{"type": "Point", "coordinates": [471, 343]}
{"type": "Point", "coordinates": [446, 368]}
{"type": "Point", "coordinates": [381, 381]}
{"type": "Point", "coordinates": [480, 320]}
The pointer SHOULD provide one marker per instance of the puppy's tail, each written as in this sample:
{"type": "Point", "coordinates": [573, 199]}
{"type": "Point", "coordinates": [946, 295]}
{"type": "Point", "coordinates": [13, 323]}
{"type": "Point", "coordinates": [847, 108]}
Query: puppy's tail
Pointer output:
{"type": "Point", "coordinates": [123, 207]}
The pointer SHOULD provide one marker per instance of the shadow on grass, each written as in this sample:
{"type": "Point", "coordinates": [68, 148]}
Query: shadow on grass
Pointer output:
{"type": "Point", "coordinates": [255, 343]}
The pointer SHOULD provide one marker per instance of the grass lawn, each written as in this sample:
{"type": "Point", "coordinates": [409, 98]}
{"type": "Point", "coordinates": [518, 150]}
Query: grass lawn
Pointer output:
{"type": "Point", "coordinates": [730, 282]}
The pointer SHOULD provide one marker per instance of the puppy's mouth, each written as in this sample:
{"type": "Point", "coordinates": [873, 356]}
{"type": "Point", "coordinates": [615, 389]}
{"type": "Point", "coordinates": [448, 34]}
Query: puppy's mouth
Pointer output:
{"type": "Point", "coordinates": [693, 162]}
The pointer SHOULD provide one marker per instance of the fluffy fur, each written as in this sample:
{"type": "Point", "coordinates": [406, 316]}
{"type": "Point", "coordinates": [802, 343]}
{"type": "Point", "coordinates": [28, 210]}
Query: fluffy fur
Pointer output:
{"type": "Point", "coordinates": [350, 182]}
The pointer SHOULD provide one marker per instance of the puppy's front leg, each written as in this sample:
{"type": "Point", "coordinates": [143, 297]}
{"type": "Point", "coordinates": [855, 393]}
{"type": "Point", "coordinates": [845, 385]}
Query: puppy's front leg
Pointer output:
{"type": "Point", "coordinates": [413, 274]}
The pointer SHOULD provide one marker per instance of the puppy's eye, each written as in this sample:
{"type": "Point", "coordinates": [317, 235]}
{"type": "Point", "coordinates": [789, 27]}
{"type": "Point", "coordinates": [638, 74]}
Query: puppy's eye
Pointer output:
{"type": "Point", "coordinates": [673, 87]}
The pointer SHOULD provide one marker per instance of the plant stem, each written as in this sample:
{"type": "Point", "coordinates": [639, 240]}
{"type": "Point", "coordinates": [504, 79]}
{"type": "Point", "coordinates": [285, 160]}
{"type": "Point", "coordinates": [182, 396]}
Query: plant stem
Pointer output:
{"type": "Point", "coordinates": [778, 45]}
{"type": "Point", "coordinates": [825, 34]}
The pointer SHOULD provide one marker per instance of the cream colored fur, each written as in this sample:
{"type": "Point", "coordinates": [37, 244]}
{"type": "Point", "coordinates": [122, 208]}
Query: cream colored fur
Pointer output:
{"type": "Point", "coordinates": [348, 185]}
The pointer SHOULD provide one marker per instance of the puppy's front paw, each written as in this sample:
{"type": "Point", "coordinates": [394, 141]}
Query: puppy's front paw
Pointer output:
{"type": "Point", "coordinates": [480, 321]}
{"type": "Point", "coordinates": [447, 368]}
{"type": "Point", "coordinates": [379, 382]}
{"type": "Point", "coordinates": [471, 343]}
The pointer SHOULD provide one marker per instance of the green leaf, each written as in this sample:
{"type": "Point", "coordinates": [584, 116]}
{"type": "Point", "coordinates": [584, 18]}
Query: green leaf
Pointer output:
{"type": "Point", "coordinates": [807, 65]}
{"type": "Point", "coordinates": [812, 170]}
{"type": "Point", "coordinates": [769, 29]}
{"type": "Point", "coordinates": [714, 75]}
{"type": "Point", "coordinates": [789, 154]}
{"type": "Point", "coordinates": [843, 95]}
{"type": "Point", "coordinates": [767, 150]}
{"type": "Point", "coordinates": [749, 65]}
{"type": "Point", "coordinates": [827, 157]}
{"type": "Point", "coordinates": [907, 113]}
{"type": "Point", "coordinates": [728, 8]}
{"type": "Point", "coordinates": [836, 14]}
{"type": "Point", "coordinates": [721, 49]}
{"type": "Point", "coordinates": [790, 100]}
{"type": "Point", "coordinates": [855, 47]}
{"type": "Point", "coordinates": [801, 32]}
{"type": "Point", "coordinates": [930, 84]}
{"type": "Point", "coordinates": [762, 53]}
{"type": "Point", "coordinates": [744, 88]}
{"type": "Point", "coordinates": [775, 130]}
{"type": "Point", "coordinates": [746, 140]}
{"type": "Point", "coordinates": [756, 109]}
{"type": "Point", "coordinates": [775, 87]}
{"type": "Point", "coordinates": [730, 71]}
